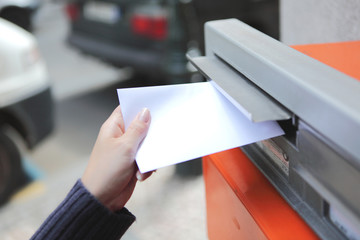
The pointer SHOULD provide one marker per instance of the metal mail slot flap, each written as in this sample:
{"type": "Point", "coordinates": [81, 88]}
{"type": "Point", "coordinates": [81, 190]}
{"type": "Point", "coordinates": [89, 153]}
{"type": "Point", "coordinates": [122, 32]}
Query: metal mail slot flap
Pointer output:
{"type": "Point", "coordinates": [321, 96]}
{"type": "Point", "coordinates": [253, 102]}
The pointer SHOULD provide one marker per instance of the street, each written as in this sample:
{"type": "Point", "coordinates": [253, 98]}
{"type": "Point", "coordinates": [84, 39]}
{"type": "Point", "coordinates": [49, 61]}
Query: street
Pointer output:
{"type": "Point", "coordinates": [166, 205]}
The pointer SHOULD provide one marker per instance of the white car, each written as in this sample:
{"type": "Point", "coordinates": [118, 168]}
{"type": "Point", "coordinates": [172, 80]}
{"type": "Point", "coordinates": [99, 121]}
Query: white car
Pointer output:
{"type": "Point", "coordinates": [26, 105]}
{"type": "Point", "coordinates": [19, 12]}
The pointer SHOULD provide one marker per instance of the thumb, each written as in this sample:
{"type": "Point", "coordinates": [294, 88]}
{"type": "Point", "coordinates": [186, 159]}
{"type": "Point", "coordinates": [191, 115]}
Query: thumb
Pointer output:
{"type": "Point", "coordinates": [138, 128]}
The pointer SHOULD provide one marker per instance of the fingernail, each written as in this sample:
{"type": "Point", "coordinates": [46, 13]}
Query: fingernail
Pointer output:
{"type": "Point", "coordinates": [144, 115]}
{"type": "Point", "coordinates": [139, 176]}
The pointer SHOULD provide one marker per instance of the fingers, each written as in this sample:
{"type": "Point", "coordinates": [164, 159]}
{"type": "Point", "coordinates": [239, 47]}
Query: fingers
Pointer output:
{"type": "Point", "coordinates": [143, 176]}
{"type": "Point", "coordinates": [114, 126]}
{"type": "Point", "coordinates": [138, 128]}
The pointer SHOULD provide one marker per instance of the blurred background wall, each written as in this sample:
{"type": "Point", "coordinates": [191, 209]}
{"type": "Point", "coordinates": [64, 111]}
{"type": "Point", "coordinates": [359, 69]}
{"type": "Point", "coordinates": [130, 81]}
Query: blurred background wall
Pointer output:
{"type": "Point", "coordinates": [319, 21]}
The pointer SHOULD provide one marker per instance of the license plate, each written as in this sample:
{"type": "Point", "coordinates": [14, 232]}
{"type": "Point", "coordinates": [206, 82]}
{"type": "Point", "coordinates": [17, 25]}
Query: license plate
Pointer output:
{"type": "Point", "coordinates": [102, 12]}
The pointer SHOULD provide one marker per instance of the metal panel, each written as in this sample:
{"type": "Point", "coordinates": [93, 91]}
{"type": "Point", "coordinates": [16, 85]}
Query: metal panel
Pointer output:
{"type": "Point", "coordinates": [321, 96]}
{"type": "Point", "coordinates": [253, 102]}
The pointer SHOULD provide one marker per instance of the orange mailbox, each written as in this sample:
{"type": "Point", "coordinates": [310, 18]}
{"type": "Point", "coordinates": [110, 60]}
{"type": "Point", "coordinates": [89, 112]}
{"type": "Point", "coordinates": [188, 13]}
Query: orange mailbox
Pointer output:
{"type": "Point", "coordinates": [299, 185]}
{"type": "Point", "coordinates": [242, 204]}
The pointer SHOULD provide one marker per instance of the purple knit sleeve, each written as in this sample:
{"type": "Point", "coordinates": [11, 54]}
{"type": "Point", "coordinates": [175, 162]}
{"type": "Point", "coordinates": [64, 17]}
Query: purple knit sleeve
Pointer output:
{"type": "Point", "coordinates": [82, 216]}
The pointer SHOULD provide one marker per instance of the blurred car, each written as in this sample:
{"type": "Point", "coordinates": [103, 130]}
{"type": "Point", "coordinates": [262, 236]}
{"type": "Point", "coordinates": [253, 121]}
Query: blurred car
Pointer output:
{"type": "Point", "coordinates": [25, 103]}
{"type": "Point", "coordinates": [153, 36]}
{"type": "Point", "coordinates": [19, 12]}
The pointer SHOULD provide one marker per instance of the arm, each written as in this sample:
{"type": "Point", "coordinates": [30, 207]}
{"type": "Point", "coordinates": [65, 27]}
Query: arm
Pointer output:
{"type": "Point", "coordinates": [82, 216]}
{"type": "Point", "coordinates": [94, 208]}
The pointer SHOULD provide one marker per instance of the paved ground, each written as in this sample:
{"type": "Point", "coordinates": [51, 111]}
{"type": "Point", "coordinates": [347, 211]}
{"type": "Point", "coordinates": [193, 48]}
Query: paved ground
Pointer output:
{"type": "Point", "coordinates": [166, 206]}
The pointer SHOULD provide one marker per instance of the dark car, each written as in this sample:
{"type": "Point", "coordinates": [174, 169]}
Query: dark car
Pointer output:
{"type": "Point", "coordinates": [19, 12]}
{"type": "Point", "coordinates": [153, 36]}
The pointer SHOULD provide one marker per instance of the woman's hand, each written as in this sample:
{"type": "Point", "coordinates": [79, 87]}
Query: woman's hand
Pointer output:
{"type": "Point", "coordinates": [112, 173]}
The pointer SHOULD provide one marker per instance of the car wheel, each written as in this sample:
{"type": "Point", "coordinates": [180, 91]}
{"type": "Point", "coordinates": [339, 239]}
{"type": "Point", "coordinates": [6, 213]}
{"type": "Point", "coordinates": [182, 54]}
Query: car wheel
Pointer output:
{"type": "Point", "coordinates": [189, 169]}
{"type": "Point", "coordinates": [18, 16]}
{"type": "Point", "coordinates": [12, 176]}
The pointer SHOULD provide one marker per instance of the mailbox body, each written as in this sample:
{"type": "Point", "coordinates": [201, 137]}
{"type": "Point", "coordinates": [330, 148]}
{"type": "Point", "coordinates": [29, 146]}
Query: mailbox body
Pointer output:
{"type": "Point", "coordinates": [242, 204]}
{"type": "Point", "coordinates": [300, 185]}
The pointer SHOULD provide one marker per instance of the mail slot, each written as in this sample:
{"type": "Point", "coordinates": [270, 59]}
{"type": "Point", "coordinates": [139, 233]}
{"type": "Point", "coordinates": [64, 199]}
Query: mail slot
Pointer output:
{"type": "Point", "coordinates": [304, 184]}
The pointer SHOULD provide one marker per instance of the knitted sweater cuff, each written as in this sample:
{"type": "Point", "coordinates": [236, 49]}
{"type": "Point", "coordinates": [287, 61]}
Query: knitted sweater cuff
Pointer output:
{"type": "Point", "coordinates": [82, 216]}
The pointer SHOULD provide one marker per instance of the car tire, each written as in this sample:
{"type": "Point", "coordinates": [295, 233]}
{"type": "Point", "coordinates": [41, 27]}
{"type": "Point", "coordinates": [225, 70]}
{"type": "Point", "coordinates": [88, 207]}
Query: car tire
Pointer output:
{"type": "Point", "coordinates": [18, 16]}
{"type": "Point", "coordinates": [189, 169]}
{"type": "Point", "coordinates": [12, 175]}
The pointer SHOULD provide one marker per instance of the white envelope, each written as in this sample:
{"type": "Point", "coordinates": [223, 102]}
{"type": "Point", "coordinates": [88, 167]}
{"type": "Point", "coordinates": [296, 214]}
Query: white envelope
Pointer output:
{"type": "Point", "coordinates": [189, 121]}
